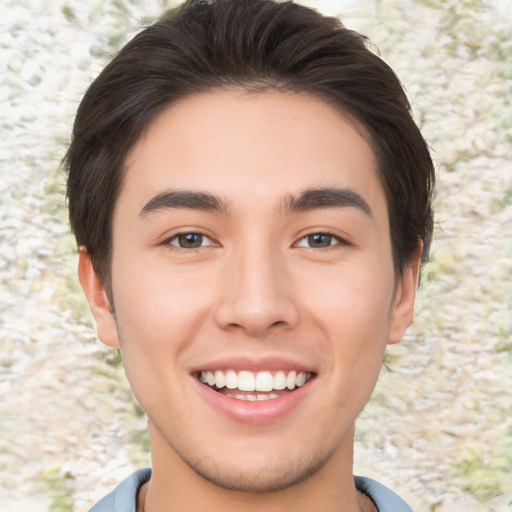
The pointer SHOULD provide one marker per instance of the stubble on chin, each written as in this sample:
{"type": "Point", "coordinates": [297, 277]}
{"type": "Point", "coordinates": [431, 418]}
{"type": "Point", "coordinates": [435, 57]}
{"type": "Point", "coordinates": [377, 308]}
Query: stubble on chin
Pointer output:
{"type": "Point", "coordinates": [263, 475]}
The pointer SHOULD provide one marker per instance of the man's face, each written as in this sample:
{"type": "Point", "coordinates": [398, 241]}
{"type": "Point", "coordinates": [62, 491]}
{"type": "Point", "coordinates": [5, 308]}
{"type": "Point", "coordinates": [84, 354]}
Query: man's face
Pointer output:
{"type": "Point", "coordinates": [251, 249]}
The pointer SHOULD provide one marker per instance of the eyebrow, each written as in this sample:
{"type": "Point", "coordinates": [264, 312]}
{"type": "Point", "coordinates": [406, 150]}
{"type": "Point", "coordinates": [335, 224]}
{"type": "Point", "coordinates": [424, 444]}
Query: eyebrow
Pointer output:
{"type": "Point", "coordinates": [171, 199]}
{"type": "Point", "coordinates": [317, 198]}
{"type": "Point", "coordinates": [310, 199]}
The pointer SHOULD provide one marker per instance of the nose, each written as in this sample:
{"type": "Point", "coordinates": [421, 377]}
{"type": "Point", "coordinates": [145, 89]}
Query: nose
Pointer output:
{"type": "Point", "coordinates": [257, 294]}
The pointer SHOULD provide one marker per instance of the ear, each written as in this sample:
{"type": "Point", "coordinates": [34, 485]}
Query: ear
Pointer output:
{"type": "Point", "coordinates": [403, 304]}
{"type": "Point", "coordinates": [97, 298]}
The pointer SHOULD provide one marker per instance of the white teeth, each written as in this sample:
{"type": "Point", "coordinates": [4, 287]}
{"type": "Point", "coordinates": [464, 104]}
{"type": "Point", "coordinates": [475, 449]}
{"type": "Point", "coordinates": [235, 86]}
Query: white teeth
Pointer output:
{"type": "Point", "coordinates": [210, 379]}
{"type": "Point", "coordinates": [248, 381]}
{"type": "Point", "coordinates": [231, 380]}
{"type": "Point", "coordinates": [290, 380]}
{"type": "Point", "coordinates": [220, 380]}
{"type": "Point", "coordinates": [253, 398]}
{"type": "Point", "coordinates": [301, 379]}
{"type": "Point", "coordinates": [264, 381]}
{"type": "Point", "coordinates": [279, 380]}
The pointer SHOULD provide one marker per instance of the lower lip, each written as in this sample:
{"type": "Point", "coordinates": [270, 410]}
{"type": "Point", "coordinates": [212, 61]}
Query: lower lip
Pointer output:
{"type": "Point", "coordinates": [257, 412]}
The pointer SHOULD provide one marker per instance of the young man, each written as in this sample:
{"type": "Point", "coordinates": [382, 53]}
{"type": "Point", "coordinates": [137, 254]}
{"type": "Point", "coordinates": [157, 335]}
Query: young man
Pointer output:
{"type": "Point", "coordinates": [251, 199]}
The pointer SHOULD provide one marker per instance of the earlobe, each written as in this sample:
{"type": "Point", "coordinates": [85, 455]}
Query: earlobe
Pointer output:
{"type": "Point", "coordinates": [98, 300]}
{"type": "Point", "coordinates": [403, 304]}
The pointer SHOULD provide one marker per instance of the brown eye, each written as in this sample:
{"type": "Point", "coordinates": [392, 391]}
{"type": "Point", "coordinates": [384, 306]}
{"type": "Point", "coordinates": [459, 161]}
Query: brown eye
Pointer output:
{"type": "Point", "coordinates": [321, 240]}
{"type": "Point", "coordinates": [190, 240]}
{"type": "Point", "coordinates": [318, 241]}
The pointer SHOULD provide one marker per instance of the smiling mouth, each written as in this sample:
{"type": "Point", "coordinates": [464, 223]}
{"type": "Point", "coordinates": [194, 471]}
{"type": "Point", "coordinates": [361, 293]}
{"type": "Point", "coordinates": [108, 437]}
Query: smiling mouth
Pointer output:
{"type": "Point", "coordinates": [254, 386]}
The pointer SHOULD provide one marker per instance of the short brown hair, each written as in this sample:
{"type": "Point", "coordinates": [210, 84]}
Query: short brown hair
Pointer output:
{"type": "Point", "coordinates": [254, 45]}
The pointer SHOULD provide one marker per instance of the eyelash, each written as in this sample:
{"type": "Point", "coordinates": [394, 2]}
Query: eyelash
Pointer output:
{"type": "Point", "coordinates": [177, 236]}
{"type": "Point", "coordinates": [338, 241]}
{"type": "Point", "coordinates": [308, 238]}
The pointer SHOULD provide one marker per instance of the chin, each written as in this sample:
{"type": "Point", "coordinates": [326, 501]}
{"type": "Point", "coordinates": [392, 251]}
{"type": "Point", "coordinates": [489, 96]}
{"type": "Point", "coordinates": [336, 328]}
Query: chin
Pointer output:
{"type": "Point", "coordinates": [256, 480]}
{"type": "Point", "coordinates": [257, 474]}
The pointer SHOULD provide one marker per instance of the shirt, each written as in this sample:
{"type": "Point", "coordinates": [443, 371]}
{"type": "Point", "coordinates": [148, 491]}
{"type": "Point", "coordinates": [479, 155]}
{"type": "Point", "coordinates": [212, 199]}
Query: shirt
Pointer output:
{"type": "Point", "coordinates": [124, 497]}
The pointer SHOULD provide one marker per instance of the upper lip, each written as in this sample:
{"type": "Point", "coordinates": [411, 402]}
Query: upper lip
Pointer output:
{"type": "Point", "coordinates": [256, 364]}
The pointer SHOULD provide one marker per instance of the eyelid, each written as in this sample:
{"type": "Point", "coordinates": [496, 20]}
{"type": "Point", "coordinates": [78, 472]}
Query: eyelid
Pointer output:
{"type": "Point", "coordinates": [341, 240]}
{"type": "Point", "coordinates": [204, 237]}
{"type": "Point", "coordinates": [169, 239]}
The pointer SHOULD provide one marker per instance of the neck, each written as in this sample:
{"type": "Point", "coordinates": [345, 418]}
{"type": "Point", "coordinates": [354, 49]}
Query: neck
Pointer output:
{"type": "Point", "coordinates": [175, 486]}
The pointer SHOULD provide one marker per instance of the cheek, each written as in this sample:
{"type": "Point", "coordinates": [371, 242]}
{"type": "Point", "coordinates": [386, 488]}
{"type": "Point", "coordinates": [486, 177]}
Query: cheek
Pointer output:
{"type": "Point", "coordinates": [354, 299]}
{"type": "Point", "coordinates": [358, 324]}
{"type": "Point", "coordinates": [158, 315]}
{"type": "Point", "coordinates": [352, 310]}
{"type": "Point", "coordinates": [157, 318]}
{"type": "Point", "coordinates": [152, 291]}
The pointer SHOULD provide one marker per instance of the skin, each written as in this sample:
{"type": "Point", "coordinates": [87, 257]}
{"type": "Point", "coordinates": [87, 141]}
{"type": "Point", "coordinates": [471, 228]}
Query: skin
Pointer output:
{"type": "Point", "coordinates": [254, 289]}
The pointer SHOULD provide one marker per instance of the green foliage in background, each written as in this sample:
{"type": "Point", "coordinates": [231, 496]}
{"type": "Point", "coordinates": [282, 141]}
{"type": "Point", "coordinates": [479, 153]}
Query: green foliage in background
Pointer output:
{"type": "Point", "coordinates": [462, 32]}
{"type": "Point", "coordinates": [54, 481]}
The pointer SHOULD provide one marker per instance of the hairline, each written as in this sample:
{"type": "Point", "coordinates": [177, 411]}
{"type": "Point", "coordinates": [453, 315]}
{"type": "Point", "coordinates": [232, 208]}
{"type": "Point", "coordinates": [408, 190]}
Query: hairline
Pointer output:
{"type": "Point", "coordinates": [252, 87]}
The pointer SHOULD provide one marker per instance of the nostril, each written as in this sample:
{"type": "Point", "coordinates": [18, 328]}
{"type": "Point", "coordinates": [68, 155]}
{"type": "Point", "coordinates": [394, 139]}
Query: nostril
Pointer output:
{"type": "Point", "coordinates": [254, 313]}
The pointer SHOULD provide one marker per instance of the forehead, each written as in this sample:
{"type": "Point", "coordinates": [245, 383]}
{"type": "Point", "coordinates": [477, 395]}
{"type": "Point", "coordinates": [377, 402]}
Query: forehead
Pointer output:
{"type": "Point", "coordinates": [250, 148]}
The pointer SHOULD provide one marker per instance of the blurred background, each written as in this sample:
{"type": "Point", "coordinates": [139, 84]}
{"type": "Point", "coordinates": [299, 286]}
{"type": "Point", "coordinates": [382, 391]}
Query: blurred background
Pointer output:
{"type": "Point", "coordinates": [438, 429]}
